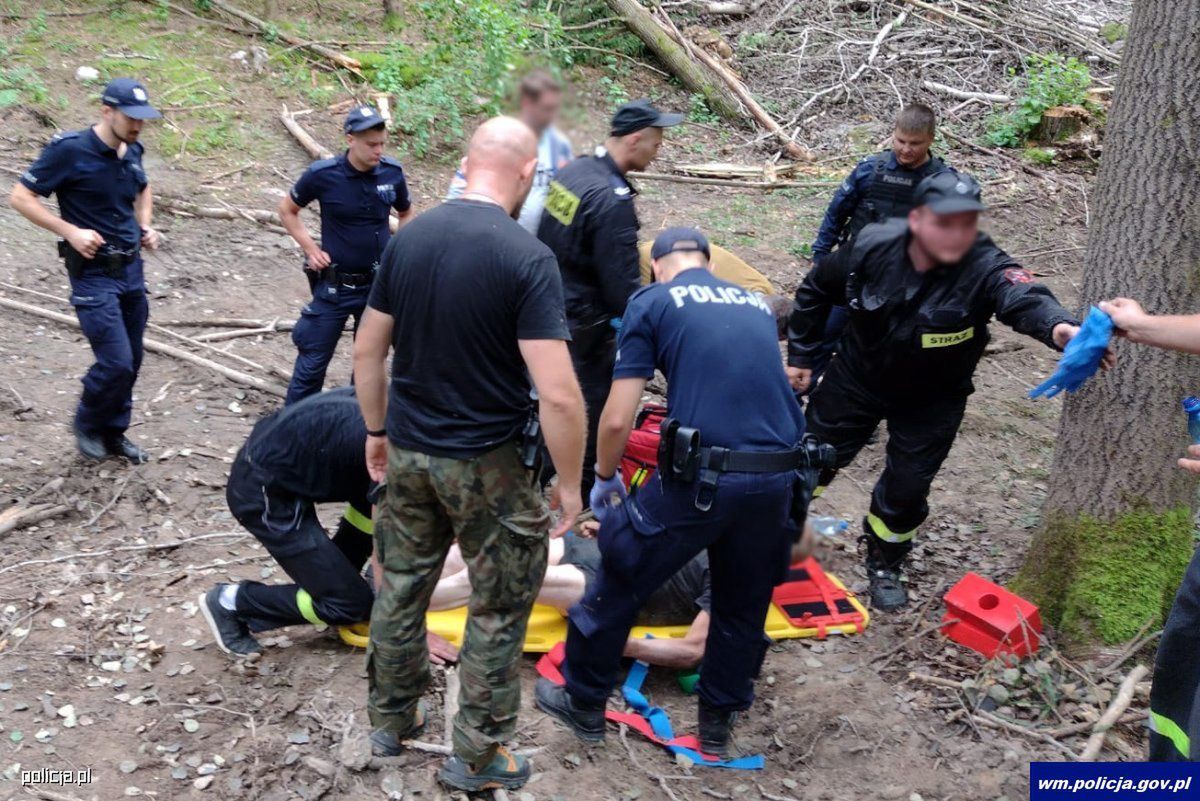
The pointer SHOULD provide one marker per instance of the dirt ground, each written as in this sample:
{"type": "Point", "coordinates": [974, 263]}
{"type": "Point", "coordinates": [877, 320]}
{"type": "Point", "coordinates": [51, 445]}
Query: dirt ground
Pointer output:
{"type": "Point", "coordinates": [105, 664]}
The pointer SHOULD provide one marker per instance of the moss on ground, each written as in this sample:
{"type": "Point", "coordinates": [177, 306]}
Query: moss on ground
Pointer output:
{"type": "Point", "coordinates": [1102, 580]}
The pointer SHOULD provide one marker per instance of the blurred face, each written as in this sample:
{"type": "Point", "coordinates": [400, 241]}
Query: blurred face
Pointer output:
{"type": "Point", "coordinates": [911, 149]}
{"type": "Point", "coordinates": [644, 145]}
{"type": "Point", "coordinates": [945, 238]}
{"type": "Point", "coordinates": [539, 114]}
{"type": "Point", "coordinates": [366, 147]}
{"type": "Point", "coordinates": [123, 127]}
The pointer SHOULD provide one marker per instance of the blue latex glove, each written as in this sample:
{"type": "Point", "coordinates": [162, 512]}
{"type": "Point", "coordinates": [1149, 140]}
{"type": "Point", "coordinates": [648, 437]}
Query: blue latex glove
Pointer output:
{"type": "Point", "coordinates": [1081, 358]}
{"type": "Point", "coordinates": [607, 494]}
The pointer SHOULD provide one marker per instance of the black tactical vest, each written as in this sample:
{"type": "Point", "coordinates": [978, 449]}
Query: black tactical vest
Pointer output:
{"type": "Point", "coordinates": [890, 193]}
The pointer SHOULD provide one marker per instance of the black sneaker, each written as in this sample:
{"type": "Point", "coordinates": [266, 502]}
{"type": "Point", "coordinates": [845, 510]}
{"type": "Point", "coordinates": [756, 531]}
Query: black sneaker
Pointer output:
{"type": "Point", "coordinates": [885, 574]}
{"type": "Point", "coordinates": [587, 724]}
{"type": "Point", "coordinates": [90, 445]}
{"type": "Point", "coordinates": [386, 743]}
{"type": "Point", "coordinates": [123, 446]}
{"type": "Point", "coordinates": [713, 730]}
{"type": "Point", "coordinates": [506, 771]}
{"type": "Point", "coordinates": [230, 631]}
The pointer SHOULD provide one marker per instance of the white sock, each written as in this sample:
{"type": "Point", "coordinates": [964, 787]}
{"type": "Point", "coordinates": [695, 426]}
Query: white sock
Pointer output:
{"type": "Point", "coordinates": [229, 597]}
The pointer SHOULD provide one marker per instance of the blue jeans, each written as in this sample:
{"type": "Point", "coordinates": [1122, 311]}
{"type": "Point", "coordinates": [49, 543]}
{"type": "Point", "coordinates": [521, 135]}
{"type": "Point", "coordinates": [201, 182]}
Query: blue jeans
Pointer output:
{"type": "Point", "coordinates": [112, 313]}
{"type": "Point", "coordinates": [317, 333]}
{"type": "Point", "coordinates": [648, 539]}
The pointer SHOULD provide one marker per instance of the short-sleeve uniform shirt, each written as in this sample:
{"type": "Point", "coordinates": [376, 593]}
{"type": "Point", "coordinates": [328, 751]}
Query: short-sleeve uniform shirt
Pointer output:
{"type": "Point", "coordinates": [355, 206]}
{"type": "Point", "coordinates": [717, 345]}
{"type": "Point", "coordinates": [464, 282]}
{"type": "Point", "coordinates": [96, 187]}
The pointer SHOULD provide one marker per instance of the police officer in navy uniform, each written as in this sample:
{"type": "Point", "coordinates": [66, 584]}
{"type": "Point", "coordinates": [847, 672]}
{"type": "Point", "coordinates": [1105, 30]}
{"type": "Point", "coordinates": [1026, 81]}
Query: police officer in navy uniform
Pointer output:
{"type": "Point", "coordinates": [106, 207]}
{"type": "Point", "coordinates": [357, 192]}
{"type": "Point", "coordinates": [920, 291]}
{"type": "Point", "coordinates": [879, 188]}
{"type": "Point", "coordinates": [726, 486]}
{"type": "Point", "coordinates": [590, 223]}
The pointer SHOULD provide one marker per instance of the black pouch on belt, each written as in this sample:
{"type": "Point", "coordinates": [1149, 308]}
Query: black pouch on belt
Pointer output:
{"type": "Point", "coordinates": [678, 451]}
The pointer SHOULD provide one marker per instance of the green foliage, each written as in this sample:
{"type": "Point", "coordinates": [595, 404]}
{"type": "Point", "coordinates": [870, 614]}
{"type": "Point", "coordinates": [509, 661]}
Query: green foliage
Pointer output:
{"type": "Point", "coordinates": [1102, 580]}
{"type": "Point", "coordinates": [801, 250]}
{"type": "Point", "coordinates": [203, 5]}
{"type": "Point", "coordinates": [597, 46]}
{"type": "Point", "coordinates": [19, 84]}
{"type": "Point", "coordinates": [1048, 81]}
{"type": "Point", "coordinates": [698, 110]}
{"type": "Point", "coordinates": [1113, 32]}
{"type": "Point", "coordinates": [1039, 155]}
{"type": "Point", "coordinates": [614, 91]}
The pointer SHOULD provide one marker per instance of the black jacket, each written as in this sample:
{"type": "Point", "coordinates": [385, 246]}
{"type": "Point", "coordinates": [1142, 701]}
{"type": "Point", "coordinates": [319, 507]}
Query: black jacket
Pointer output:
{"type": "Point", "coordinates": [590, 224]}
{"type": "Point", "coordinates": [910, 333]}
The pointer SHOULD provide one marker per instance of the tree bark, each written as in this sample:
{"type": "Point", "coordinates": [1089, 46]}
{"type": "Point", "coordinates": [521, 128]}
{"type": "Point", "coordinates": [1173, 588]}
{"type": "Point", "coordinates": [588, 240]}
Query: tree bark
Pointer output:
{"type": "Point", "coordinates": [694, 76]}
{"type": "Point", "coordinates": [1117, 521]}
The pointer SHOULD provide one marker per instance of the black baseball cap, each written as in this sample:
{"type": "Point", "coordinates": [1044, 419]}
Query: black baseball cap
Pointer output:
{"type": "Point", "coordinates": [639, 114]}
{"type": "Point", "coordinates": [948, 192]}
{"type": "Point", "coordinates": [362, 118]}
{"type": "Point", "coordinates": [679, 240]}
{"type": "Point", "coordinates": [130, 98]}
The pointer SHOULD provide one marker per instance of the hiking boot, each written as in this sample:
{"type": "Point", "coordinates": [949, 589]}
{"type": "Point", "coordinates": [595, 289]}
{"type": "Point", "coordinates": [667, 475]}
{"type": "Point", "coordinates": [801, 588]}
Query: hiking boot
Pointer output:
{"type": "Point", "coordinates": [885, 574]}
{"type": "Point", "coordinates": [505, 771]}
{"type": "Point", "coordinates": [713, 730]}
{"type": "Point", "coordinates": [89, 444]}
{"type": "Point", "coordinates": [123, 446]}
{"type": "Point", "coordinates": [587, 724]}
{"type": "Point", "coordinates": [386, 743]}
{"type": "Point", "coordinates": [230, 631]}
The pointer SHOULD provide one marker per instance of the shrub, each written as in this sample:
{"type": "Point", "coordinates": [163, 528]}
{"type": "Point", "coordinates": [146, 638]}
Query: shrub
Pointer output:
{"type": "Point", "coordinates": [1049, 81]}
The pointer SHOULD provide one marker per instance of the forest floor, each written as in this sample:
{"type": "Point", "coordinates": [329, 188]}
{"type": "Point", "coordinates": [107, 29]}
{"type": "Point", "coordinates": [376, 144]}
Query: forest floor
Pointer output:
{"type": "Point", "coordinates": [97, 616]}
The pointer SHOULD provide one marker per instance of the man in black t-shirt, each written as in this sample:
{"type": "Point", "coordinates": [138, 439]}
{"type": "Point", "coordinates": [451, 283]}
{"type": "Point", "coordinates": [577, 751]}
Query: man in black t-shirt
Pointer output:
{"type": "Point", "coordinates": [473, 307]}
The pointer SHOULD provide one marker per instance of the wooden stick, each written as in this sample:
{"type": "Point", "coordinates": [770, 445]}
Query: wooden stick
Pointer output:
{"type": "Point", "coordinates": [1112, 714]}
{"type": "Point", "coordinates": [740, 91]}
{"type": "Point", "coordinates": [18, 517]}
{"type": "Point", "coordinates": [996, 722]}
{"type": "Point", "coordinates": [268, 328]}
{"type": "Point", "coordinates": [995, 153]}
{"type": "Point", "coordinates": [165, 546]}
{"type": "Point", "coordinates": [765, 185]}
{"type": "Point", "coordinates": [961, 94]}
{"type": "Point", "coordinates": [310, 145]}
{"type": "Point", "coordinates": [343, 61]}
{"type": "Point", "coordinates": [161, 348]}
{"type": "Point", "coordinates": [1076, 728]}
{"type": "Point", "coordinates": [218, 322]}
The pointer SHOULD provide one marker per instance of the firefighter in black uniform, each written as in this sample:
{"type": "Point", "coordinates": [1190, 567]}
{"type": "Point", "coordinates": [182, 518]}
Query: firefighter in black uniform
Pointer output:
{"type": "Point", "coordinates": [920, 291]}
{"type": "Point", "coordinates": [879, 188]}
{"type": "Point", "coordinates": [590, 224]}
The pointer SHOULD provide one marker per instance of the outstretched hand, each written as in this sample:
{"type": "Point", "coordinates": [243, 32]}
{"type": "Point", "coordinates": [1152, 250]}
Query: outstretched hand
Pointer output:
{"type": "Point", "coordinates": [1065, 332]}
{"type": "Point", "coordinates": [1192, 465]}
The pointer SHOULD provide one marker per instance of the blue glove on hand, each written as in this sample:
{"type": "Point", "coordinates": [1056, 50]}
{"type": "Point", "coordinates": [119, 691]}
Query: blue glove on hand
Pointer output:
{"type": "Point", "coordinates": [607, 494]}
{"type": "Point", "coordinates": [1081, 357]}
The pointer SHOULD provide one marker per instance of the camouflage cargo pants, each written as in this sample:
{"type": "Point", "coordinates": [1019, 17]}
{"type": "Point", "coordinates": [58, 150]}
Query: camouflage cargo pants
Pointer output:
{"type": "Point", "coordinates": [502, 525]}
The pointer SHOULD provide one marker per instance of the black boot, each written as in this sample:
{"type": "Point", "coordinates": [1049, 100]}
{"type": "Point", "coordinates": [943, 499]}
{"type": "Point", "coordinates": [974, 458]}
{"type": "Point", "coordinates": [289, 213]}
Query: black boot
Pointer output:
{"type": "Point", "coordinates": [90, 445]}
{"type": "Point", "coordinates": [587, 724]}
{"type": "Point", "coordinates": [122, 446]}
{"type": "Point", "coordinates": [713, 730]}
{"type": "Point", "coordinates": [228, 629]}
{"type": "Point", "coordinates": [885, 563]}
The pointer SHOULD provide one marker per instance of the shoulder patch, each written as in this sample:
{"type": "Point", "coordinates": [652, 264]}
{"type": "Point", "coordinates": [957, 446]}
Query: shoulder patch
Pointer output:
{"type": "Point", "coordinates": [323, 164]}
{"type": "Point", "coordinates": [561, 203]}
{"type": "Point", "coordinates": [1018, 275]}
{"type": "Point", "coordinates": [391, 162]}
{"type": "Point", "coordinates": [65, 135]}
{"type": "Point", "coordinates": [619, 187]}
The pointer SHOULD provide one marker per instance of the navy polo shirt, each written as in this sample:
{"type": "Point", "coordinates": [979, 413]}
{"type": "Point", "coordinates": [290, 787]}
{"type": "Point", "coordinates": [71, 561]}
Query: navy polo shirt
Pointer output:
{"type": "Point", "coordinates": [95, 188]}
{"type": "Point", "coordinates": [717, 344]}
{"type": "Point", "coordinates": [354, 207]}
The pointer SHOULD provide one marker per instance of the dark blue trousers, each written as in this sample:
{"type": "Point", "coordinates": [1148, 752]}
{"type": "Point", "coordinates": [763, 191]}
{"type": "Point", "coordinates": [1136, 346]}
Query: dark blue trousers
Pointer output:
{"type": "Point", "coordinates": [1175, 693]}
{"type": "Point", "coordinates": [112, 313]}
{"type": "Point", "coordinates": [650, 537]}
{"type": "Point", "coordinates": [317, 333]}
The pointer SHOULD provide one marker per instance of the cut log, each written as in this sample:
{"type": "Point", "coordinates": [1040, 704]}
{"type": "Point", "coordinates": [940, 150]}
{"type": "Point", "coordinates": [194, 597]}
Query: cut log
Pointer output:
{"type": "Point", "coordinates": [20, 516]}
{"type": "Point", "coordinates": [310, 145]}
{"type": "Point", "coordinates": [271, 31]}
{"type": "Point", "coordinates": [719, 98]}
{"type": "Point", "coordinates": [161, 348]}
{"type": "Point", "coordinates": [1059, 123]}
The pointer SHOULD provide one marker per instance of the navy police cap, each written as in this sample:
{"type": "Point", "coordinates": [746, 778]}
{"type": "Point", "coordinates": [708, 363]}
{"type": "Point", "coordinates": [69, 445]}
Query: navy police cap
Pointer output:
{"type": "Point", "coordinates": [679, 240]}
{"type": "Point", "coordinates": [362, 118]}
{"type": "Point", "coordinates": [949, 192]}
{"type": "Point", "coordinates": [130, 98]}
{"type": "Point", "coordinates": [639, 114]}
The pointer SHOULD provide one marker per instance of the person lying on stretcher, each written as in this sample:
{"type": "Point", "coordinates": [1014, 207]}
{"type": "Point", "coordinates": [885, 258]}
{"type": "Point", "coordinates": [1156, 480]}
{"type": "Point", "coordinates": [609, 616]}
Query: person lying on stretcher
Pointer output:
{"type": "Point", "coordinates": [682, 601]}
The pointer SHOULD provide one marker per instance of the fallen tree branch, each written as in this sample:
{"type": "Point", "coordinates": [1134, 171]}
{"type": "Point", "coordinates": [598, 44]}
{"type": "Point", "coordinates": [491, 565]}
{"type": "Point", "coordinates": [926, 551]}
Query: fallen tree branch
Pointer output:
{"type": "Point", "coordinates": [273, 32]}
{"type": "Point", "coordinates": [996, 154]}
{"type": "Point", "coordinates": [310, 145]}
{"type": "Point", "coordinates": [16, 517]}
{"type": "Point", "coordinates": [768, 185]}
{"type": "Point", "coordinates": [1112, 714]}
{"type": "Point", "coordinates": [961, 94]}
{"type": "Point", "coordinates": [268, 328]}
{"type": "Point", "coordinates": [1076, 728]}
{"type": "Point", "coordinates": [997, 722]}
{"type": "Point", "coordinates": [735, 85]}
{"type": "Point", "coordinates": [165, 546]}
{"type": "Point", "coordinates": [161, 348]}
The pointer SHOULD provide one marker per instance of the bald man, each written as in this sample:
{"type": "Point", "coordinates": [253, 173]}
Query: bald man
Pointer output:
{"type": "Point", "coordinates": [473, 307]}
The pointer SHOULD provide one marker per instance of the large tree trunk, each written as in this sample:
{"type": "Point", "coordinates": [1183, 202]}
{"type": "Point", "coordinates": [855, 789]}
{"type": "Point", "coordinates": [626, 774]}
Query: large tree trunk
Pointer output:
{"type": "Point", "coordinates": [1117, 523]}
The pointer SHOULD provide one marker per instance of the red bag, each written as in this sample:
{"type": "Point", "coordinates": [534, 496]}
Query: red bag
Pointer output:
{"type": "Point", "coordinates": [641, 451]}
